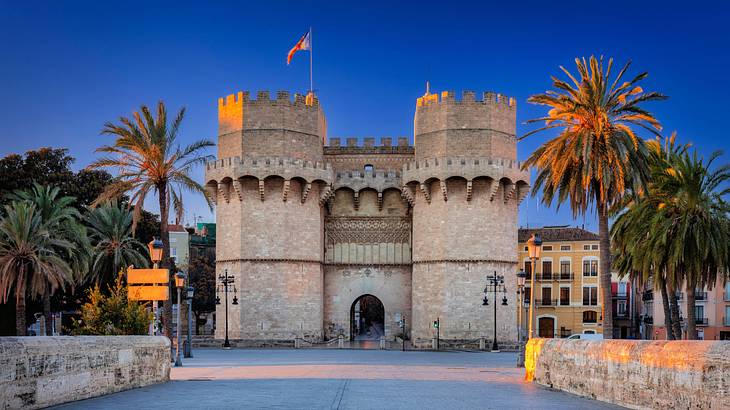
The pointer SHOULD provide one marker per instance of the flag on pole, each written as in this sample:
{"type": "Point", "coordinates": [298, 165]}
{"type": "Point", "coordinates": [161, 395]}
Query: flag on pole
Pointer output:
{"type": "Point", "coordinates": [304, 43]}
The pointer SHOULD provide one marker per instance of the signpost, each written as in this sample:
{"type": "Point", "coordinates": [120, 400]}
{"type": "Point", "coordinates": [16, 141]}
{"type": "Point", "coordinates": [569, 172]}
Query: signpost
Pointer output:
{"type": "Point", "coordinates": [148, 284]}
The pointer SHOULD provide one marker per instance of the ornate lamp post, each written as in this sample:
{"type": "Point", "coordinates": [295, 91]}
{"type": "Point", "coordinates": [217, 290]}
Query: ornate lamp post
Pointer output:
{"type": "Point", "coordinates": [225, 280]}
{"type": "Point", "coordinates": [155, 247]}
{"type": "Point", "coordinates": [179, 283]}
{"type": "Point", "coordinates": [534, 246]}
{"type": "Point", "coordinates": [189, 299]}
{"type": "Point", "coordinates": [521, 275]}
{"type": "Point", "coordinates": [495, 284]}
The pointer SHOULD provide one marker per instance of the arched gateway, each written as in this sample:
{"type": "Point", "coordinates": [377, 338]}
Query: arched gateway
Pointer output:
{"type": "Point", "coordinates": [367, 318]}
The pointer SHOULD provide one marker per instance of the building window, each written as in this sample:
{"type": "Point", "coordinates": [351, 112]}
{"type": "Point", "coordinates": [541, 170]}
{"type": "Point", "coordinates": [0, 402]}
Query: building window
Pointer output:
{"type": "Point", "coordinates": [173, 253]}
{"type": "Point", "coordinates": [589, 332]}
{"type": "Point", "coordinates": [586, 247]}
{"type": "Point", "coordinates": [699, 313]}
{"type": "Point", "coordinates": [590, 316]}
{"type": "Point", "coordinates": [564, 296]}
{"type": "Point", "coordinates": [565, 269]}
{"type": "Point", "coordinates": [527, 296]}
{"type": "Point", "coordinates": [590, 267]}
{"type": "Point", "coordinates": [547, 247]}
{"type": "Point", "coordinates": [173, 240]}
{"type": "Point", "coordinates": [528, 269]}
{"type": "Point", "coordinates": [622, 288]}
{"type": "Point", "coordinates": [369, 168]}
{"type": "Point", "coordinates": [621, 308]}
{"type": "Point", "coordinates": [546, 295]}
{"type": "Point", "coordinates": [564, 247]}
{"type": "Point", "coordinates": [594, 247]}
{"type": "Point", "coordinates": [526, 249]}
{"type": "Point", "coordinates": [590, 296]}
{"type": "Point", "coordinates": [547, 269]}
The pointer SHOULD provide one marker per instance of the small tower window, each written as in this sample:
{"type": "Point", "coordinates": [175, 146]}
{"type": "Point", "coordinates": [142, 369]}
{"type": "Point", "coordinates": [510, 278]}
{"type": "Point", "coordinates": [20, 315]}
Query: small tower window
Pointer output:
{"type": "Point", "coordinates": [369, 168]}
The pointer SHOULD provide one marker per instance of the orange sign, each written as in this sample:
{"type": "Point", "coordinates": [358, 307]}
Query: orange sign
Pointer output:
{"type": "Point", "coordinates": [148, 276]}
{"type": "Point", "coordinates": [148, 293]}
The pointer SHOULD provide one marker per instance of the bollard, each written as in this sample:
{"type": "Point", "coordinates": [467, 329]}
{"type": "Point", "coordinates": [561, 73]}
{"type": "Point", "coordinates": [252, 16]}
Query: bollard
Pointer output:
{"type": "Point", "coordinates": [340, 342]}
{"type": "Point", "coordinates": [382, 342]}
{"type": "Point", "coordinates": [482, 343]}
{"type": "Point", "coordinates": [434, 343]}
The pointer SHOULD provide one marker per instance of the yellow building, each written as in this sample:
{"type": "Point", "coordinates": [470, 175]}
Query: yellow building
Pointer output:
{"type": "Point", "coordinates": [567, 296]}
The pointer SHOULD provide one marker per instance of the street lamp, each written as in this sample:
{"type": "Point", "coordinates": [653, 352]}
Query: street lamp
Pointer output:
{"type": "Point", "coordinates": [189, 299]}
{"type": "Point", "coordinates": [534, 246]}
{"type": "Point", "coordinates": [495, 284]}
{"type": "Point", "coordinates": [155, 247]}
{"type": "Point", "coordinates": [179, 283]}
{"type": "Point", "coordinates": [225, 280]}
{"type": "Point", "coordinates": [521, 275]}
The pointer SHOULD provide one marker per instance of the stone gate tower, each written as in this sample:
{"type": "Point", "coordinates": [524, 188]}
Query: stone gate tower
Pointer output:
{"type": "Point", "coordinates": [465, 185]}
{"type": "Point", "coordinates": [267, 185]}
{"type": "Point", "coordinates": [362, 240]}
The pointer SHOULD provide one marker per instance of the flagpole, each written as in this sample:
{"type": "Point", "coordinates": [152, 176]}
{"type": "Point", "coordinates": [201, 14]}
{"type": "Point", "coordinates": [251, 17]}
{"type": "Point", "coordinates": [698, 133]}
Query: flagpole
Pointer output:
{"type": "Point", "coordinates": [311, 51]}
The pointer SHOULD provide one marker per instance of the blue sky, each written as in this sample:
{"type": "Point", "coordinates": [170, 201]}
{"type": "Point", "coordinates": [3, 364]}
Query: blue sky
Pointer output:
{"type": "Point", "coordinates": [67, 67]}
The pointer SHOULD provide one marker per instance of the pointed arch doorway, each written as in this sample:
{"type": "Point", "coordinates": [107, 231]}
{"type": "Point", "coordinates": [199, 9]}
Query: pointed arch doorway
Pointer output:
{"type": "Point", "coordinates": [367, 318]}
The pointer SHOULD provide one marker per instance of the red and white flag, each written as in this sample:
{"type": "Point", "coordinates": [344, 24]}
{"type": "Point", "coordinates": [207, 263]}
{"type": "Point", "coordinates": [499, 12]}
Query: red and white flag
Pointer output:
{"type": "Point", "coordinates": [304, 43]}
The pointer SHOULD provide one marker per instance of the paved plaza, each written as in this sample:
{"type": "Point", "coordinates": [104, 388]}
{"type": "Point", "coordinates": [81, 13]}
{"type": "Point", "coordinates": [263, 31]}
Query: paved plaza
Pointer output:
{"type": "Point", "coordinates": [342, 379]}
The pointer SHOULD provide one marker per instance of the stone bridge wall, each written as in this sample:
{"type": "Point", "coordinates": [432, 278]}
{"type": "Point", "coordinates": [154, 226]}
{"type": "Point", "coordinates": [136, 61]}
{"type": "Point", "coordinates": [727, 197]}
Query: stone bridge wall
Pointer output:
{"type": "Point", "coordinates": [635, 374]}
{"type": "Point", "coordinates": [38, 372]}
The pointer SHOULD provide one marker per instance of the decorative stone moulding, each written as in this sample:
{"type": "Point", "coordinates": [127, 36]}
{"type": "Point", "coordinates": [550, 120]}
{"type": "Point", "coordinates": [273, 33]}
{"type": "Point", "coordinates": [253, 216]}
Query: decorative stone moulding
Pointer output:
{"type": "Point", "coordinates": [223, 175]}
{"type": "Point", "coordinates": [506, 173]}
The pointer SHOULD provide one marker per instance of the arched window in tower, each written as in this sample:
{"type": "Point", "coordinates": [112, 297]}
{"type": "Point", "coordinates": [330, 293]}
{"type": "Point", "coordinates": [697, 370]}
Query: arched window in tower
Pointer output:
{"type": "Point", "coordinates": [369, 168]}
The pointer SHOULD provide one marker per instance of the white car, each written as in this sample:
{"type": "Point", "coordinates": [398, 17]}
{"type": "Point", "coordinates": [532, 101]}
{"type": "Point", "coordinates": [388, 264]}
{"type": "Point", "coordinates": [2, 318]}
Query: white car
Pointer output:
{"type": "Point", "coordinates": [586, 336]}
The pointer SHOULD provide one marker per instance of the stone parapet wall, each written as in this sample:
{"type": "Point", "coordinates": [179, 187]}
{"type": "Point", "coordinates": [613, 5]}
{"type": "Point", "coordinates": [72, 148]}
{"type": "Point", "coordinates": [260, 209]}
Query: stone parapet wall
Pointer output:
{"type": "Point", "coordinates": [38, 372]}
{"type": "Point", "coordinates": [635, 374]}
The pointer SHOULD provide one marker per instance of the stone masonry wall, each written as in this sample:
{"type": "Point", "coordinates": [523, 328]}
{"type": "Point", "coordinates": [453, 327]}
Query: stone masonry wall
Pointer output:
{"type": "Point", "coordinates": [636, 374]}
{"type": "Point", "coordinates": [38, 372]}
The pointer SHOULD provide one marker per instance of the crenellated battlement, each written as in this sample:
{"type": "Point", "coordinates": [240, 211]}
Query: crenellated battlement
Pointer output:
{"type": "Point", "coordinates": [266, 162]}
{"type": "Point", "coordinates": [467, 97]}
{"type": "Point", "coordinates": [264, 97]}
{"type": "Point", "coordinates": [377, 180]}
{"type": "Point", "coordinates": [441, 169]}
{"type": "Point", "coordinates": [368, 142]}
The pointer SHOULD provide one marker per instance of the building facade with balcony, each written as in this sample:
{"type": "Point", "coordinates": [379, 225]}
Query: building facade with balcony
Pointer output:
{"type": "Point", "coordinates": [567, 288]}
{"type": "Point", "coordinates": [626, 321]}
{"type": "Point", "coordinates": [712, 313]}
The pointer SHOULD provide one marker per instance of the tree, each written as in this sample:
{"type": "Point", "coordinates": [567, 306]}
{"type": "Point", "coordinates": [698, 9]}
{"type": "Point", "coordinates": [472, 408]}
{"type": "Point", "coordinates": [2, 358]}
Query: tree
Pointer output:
{"type": "Point", "coordinates": [597, 157]}
{"type": "Point", "coordinates": [149, 160]}
{"type": "Point", "coordinates": [112, 314]}
{"type": "Point", "coordinates": [61, 221]}
{"type": "Point", "coordinates": [29, 258]}
{"type": "Point", "coordinates": [679, 229]}
{"type": "Point", "coordinates": [114, 247]}
{"type": "Point", "coordinates": [202, 277]}
{"type": "Point", "coordinates": [46, 166]}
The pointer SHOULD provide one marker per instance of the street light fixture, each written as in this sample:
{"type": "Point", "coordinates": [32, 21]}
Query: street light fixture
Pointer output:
{"type": "Point", "coordinates": [225, 280]}
{"type": "Point", "coordinates": [534, 246]}
{"type": "Point", "coordinates": [189, 299]}
{"type": "Point", "coordinates": [155, 247]}
{"type": "Point", "coordinates": [521, 275]}
{"type": "Point", "coordinates": [179, 283]}
{"type": "Point", "coordinates": [495, 284]}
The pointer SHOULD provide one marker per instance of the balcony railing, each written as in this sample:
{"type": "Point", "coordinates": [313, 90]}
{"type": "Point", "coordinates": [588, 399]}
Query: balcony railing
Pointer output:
{"type": "Point", "coordinates": [563, 302]}
{"type": "Point", "coordinates": [701, 321]}
{"type": "Point", "coordinates": [700, 295]}
{"type": "Point", "coordinates": [548, 302]}
{"type": "Point", "coordinates": [649, 320]}
{"type": "Point", "coordinates": [620, 295]}
{"type": "Point", "coordinates": [622, 315]}
{"type": "Point", "coordinates": [546, 277]}
{"type": "Point", "coordinates": [564, 276]}
{"type": "Point", "coordinates": [648, 295]}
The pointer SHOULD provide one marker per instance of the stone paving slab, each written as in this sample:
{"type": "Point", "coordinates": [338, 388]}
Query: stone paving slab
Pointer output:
{"type": "Point", "coordinates": [343, 379]}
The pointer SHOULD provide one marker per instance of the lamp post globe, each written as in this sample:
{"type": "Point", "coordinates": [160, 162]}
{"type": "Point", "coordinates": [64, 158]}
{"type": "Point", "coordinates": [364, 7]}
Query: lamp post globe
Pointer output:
{"type": "Point", "coordinates": [534, 246]}
{"type": "Point", "coordinates": [179, 283]}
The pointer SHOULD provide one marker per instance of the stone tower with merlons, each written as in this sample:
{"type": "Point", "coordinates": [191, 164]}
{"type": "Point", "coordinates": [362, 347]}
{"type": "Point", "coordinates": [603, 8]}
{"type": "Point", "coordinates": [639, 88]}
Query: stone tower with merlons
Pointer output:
{"type": "Point", "coordinates": [361, 241]}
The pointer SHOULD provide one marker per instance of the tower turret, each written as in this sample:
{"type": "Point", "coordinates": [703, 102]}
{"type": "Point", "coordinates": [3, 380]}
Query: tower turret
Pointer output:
{"type": "Point", "coordinates": [269, 183]}
{"type": "Point", "coordinates": [465, 186]}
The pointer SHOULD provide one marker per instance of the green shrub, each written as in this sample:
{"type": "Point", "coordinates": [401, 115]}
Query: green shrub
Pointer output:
{"type": "Point", "coordinates": [112, 314]}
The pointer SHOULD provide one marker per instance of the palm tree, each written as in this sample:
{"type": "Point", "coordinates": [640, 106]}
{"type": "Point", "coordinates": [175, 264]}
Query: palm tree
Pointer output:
{"type": "Point", "coordinates": [150, 160]}
{"type": "Point", "coordinates": [61, 220]}
{"type": "Point", "coordinates": [597, 157]}
{"type": "Point", "coordinates": [114, 247]}
{"type": "Point", "coordinates": [30, 262]}
{"type": "Point", "coordinates": [680, 228]}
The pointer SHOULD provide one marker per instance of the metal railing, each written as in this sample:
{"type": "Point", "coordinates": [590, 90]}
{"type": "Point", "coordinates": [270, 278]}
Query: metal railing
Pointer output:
{"type": "Point", "coordinates": [548, 302]}
{"type": "Point", "coordinates": [700, 295]}
{"type": "Point", "coordinates": [553, 276]}
{"type": "Point", "coordinates": [648, 295]}
{"type": "Point", "coordinates": [649, 320]}
{"type": "Point", "coordinates": [702, 321]}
